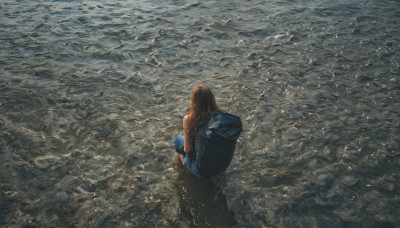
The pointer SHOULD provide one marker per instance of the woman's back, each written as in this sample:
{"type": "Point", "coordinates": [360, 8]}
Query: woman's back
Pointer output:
{"type": "Point", "coordinates": [215, 143]}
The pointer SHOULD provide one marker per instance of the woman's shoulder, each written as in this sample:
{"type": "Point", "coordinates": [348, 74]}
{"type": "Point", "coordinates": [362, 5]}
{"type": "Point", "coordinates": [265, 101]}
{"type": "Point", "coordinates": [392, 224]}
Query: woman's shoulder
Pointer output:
{"type": "Point", "coordinates": [185, 120]}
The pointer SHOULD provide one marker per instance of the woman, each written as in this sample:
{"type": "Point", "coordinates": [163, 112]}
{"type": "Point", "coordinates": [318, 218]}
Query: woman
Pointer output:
{"type": "Point", "coordinates": [207, 151]}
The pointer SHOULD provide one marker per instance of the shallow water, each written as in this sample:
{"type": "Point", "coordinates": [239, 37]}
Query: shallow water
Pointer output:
{"type": "Point", "coordinates": [93, 92]}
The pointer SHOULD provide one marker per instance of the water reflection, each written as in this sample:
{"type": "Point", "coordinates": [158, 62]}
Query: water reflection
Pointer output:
{"type": "Point", "coordinates": [201, 201]}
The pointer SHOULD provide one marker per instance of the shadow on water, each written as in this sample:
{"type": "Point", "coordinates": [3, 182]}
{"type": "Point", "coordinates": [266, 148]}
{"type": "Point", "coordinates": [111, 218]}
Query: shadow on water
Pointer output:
{"type": "Point", "coordinates": [201, 202]}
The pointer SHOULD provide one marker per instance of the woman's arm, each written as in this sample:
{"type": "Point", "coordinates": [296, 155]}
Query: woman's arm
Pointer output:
{"type": "Point", "coordinates": [186, 137]}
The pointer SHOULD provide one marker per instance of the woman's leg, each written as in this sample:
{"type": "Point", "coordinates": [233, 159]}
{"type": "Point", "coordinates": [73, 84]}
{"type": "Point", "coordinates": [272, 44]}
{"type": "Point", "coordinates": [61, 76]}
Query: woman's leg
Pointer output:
{"type": "Point", "coordinates": [179, 144]}
{"type": "Point", "coordinates": [189, 161]}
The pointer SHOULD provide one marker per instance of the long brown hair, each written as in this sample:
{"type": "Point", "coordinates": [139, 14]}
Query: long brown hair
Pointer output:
{"type": "Point", "coordinates": [203, 105]}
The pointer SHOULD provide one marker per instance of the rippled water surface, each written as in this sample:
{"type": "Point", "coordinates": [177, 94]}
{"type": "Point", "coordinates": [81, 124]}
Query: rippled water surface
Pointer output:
{"type": "Point", "coordinates": [93, 92]}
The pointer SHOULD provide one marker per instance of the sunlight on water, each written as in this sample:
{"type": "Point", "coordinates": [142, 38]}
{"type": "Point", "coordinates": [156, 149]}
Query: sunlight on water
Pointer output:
{"type": "Point", "coordinates": [92, 94]}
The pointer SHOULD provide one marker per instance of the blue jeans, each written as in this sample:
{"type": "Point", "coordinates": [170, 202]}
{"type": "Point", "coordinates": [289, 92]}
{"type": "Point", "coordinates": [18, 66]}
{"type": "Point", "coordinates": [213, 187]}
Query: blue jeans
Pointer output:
{"type": "Point", "coordinates": [190, 161]}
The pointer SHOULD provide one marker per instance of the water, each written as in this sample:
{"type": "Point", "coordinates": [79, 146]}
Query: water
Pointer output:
{"type": "Point", "coordinates": [93, 92]}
